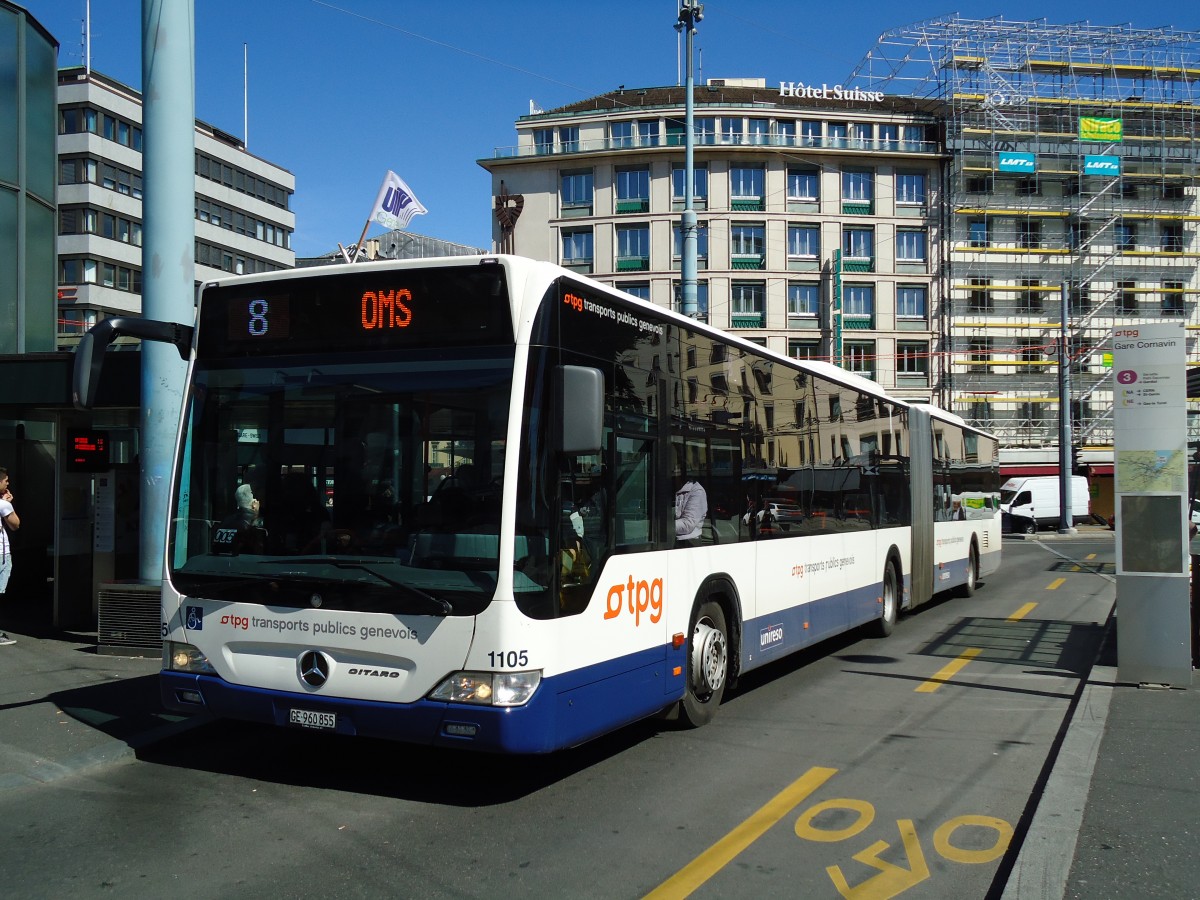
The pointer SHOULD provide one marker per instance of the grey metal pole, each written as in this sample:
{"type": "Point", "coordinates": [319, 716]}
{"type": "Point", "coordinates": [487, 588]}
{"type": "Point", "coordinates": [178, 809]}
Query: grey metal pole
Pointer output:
{"type": "Point", "coordinates": [1066, 524]}
{"type": "Point", "coordinates": [689, 15]}
{"type": "Point", "coordinates": [168, 252]}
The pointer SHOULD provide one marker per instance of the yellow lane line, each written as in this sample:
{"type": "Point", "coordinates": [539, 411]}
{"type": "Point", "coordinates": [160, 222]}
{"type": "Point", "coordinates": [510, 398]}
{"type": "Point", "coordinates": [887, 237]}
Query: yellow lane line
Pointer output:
{"type": "Point", "coordinates": [1022, 612]}
{"type": "Point", "coordinates": [948, 671]}
{"type": "Point", "coordinates": [1090, 556]}
{"type": "Point", "coordinates": [1056, 584]}
{"type": "Point", "coordinates": [720, 854]}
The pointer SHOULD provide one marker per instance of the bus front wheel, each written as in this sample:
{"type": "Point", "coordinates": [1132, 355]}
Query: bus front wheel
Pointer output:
{"type": "Point", "coordinates": [708, 665]}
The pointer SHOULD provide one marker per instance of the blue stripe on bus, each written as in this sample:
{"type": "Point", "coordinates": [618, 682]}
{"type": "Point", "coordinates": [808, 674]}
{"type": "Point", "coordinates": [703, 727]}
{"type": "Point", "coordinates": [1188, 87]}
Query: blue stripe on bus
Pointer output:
{"type": "Point", "coordinates": [566, 710]}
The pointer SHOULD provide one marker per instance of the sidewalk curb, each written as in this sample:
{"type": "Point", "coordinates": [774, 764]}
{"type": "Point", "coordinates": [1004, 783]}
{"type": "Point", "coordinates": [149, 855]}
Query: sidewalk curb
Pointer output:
{"type": "Point", "coordinates": [1043, 865]}
{"type": "Point", "coordinates": [110, 752]}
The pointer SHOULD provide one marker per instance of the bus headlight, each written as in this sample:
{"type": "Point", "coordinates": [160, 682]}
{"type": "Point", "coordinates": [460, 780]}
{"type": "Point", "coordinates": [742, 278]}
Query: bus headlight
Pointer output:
{"type": "Point", "coordinates": [178, 657]}
{"type": "Point", "coordinates": [488, 688]}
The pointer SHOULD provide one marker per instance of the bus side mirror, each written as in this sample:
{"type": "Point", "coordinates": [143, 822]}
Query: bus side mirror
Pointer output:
{"type": "Point", "coordinates": [580, 401]}
{"type": "Point", "coordinates": [85, 377]}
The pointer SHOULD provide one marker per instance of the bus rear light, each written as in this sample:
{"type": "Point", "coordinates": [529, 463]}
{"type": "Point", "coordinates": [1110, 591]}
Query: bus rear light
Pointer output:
{"type": "Point", "coordinates": [678, 640]}
{"type": "Point", "coordinates": [488, 688]}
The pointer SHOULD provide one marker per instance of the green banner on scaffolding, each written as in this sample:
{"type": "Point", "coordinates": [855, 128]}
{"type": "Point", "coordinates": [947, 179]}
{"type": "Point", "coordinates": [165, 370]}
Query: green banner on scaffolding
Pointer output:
{"type": "Point", "coordinates": [1092, 128]}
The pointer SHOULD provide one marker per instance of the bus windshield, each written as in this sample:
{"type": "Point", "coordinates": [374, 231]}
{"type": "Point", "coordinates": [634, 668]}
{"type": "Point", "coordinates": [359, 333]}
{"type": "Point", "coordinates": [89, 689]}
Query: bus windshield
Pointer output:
{"type": "Point", "coordinates": [364, 482]}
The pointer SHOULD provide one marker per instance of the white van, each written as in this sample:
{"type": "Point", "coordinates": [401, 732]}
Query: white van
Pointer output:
{"type": "Point", "coordinates": [1031, 503]}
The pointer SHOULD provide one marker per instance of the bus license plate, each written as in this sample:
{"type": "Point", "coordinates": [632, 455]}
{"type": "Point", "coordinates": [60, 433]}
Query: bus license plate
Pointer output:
{"type": "Point", "coordinates": [306, 718]}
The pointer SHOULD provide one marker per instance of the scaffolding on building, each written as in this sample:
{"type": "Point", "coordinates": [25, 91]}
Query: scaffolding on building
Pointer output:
{"type": "Point", "coordinates": [1073, 164]}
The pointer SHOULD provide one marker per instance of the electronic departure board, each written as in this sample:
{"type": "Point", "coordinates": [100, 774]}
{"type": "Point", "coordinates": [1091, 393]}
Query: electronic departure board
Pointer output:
{"type": "Point", "coordinates": [372, 308]}
{"type": "Point", "coordinates": [87, 451]}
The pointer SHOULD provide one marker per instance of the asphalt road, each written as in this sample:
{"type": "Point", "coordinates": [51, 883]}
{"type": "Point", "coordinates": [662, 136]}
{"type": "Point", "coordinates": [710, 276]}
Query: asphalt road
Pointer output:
{"type": "Point", "coordinates": [907, 766]}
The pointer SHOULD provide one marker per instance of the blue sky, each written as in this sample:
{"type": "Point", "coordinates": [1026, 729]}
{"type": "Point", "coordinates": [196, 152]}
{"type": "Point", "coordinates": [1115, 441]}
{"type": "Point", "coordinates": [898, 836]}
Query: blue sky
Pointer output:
{"type": "Point", "coordinates": [340, 91]}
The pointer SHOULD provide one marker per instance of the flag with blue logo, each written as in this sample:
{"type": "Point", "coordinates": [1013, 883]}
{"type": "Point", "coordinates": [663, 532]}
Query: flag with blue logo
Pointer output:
{"type": "Point", "coordinates": [396, 204]}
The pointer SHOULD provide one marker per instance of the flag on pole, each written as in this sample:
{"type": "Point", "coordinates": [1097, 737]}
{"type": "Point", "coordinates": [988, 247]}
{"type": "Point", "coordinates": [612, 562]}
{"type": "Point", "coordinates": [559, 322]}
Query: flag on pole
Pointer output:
{"type": "Point", "coordinates": [396, 204]}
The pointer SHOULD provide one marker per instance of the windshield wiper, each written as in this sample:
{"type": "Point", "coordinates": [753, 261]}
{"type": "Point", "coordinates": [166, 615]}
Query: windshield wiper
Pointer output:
{"type": "Point", "coordinates": [441, 605]}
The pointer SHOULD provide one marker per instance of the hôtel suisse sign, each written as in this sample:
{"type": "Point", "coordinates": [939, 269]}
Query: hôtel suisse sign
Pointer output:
{"type": "Point", "coordinates": [825, 92]}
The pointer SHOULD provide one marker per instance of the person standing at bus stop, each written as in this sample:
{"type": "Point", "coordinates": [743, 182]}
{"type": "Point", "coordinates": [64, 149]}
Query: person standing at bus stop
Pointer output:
{"type": "Point", "coordinates": [11, 522]}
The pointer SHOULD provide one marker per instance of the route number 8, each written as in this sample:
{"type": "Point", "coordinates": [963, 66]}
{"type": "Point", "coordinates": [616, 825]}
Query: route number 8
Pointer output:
{"type": "Point", "coordinates": [258, 317]}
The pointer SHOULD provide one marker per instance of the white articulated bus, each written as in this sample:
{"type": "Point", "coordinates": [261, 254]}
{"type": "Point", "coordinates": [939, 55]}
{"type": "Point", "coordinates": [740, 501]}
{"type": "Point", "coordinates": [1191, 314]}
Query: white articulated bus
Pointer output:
{"type": "Point", "coordinates": [434, 501]}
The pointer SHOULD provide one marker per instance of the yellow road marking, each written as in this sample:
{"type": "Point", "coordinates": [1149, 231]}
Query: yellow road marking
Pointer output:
{"type": "Point", "coordinates": [1022, 612]}
{"type": "Point", "coordinates": [948, 671]}
{"type": "Point", "coordinates": [1056, 584]}
{"type": "Point", "coordinates": [720, 854]}
{"type": "Point", "coordinates": [1090, 556]}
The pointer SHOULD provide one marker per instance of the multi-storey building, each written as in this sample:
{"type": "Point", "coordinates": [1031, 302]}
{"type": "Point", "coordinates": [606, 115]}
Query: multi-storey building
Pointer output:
{"type": "Point", "coordinates": [1074, 165]}
{"type": "Point", "coordinates": [819, 209]}
{"type": "Point", "coordinates": [243, 218]}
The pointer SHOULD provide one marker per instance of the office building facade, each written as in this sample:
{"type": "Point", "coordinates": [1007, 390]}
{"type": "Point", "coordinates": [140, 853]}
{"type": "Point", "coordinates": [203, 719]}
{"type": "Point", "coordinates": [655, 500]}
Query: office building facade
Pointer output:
{"type": "Point", "coordinates": [244, 221]}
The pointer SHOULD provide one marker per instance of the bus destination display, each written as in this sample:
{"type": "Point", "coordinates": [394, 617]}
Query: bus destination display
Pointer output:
{"type": "Point", "coordinates": [374, 310]}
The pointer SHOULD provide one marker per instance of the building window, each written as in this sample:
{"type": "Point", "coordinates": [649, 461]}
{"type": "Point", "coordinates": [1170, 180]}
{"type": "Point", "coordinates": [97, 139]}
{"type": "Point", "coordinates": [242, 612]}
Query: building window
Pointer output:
{"type": "Point", "coordinates": [810, 133]}
{"type": "Point", "coordinates": [804, 349]}
{"type": "Point", "coordinates": [858, 185]}
{"type": "Point", "coordinates": [785, 134]}
{"type": "Point", "coordinates": [858, 243]}
{"type": "Point", "coordinates": [1029, 354]}
{"type": "Point", "coordinates": [759, 131]}
{"type": "Point", "coordinates": [804, 241]}
{"type": "Point", "coordinates": [577, 248]}
{"type": "Point", "coordinates": [859, 357]}
{"type": "Point", "coordinates": [914, 137]}
{"type": "Point", "coordinates": [1079, 300]}
{"type": "Point", "coordinates": [979, 352]}
{"type": "Point", "coordinates": [889, 136]}
{"type": "Point", "coordinates": [1172, 298]}
{"type": "Point", "coordinates": [699, 185]}
{"type": "Point", "coordinates": [977, 232]}
{"type": "Point", "coordinates": [1126, 300]}
{"type": "Point", "coordinates": [1029, 234]}
{"type": "Point", "coordinates": [543, 141]}
{"type": "Point", "coordinates": [858, 301]}
{"type": "Point", "coordinates": [704, 129]}
{"type": "Point", "coordinates": [568, 138]}
{"type": "Point", "coordinates": [860, 135]}
{"type": "Point", "coordinates": [912, 358]}
{"type": "Point", "coordinates": [748, 304]}
{"type": "Point", "coordinates": [746, 187]}
{"type": "Point", "coordinates": [633, 248]}
{"type": "Point", "coordinates": [912, 301]}
{"type": "Point", "coordinates": [803, 299]}
{"type": "Point", "coordinates": [701, 242]}
{"type": "Point", "coordinates": [1077, 235]}
{"type": "Point", "coordinates": [1172, 237]}
{"type": "Point", "coordinates": [836, 132]}
{"type": "Point", "coordinates": [747, 241]}
{"type": "Point", "coordinates": [1030, 300]}
{"type": "Point", "coordinates": [910, 245]}
{"type": "Point", "coordinates": [639, 289]}
{"type": "Point", "coordinates": [731, 130]}
{"type": "Point", "coordinates": [1125, 235]}
{"type": "Point", "coordinates": [1028, 187]}
{"type": "Point", "coordinates": [620, 134]}
{"type": "Point", "coordinates": [910, 188]}
{"type": "Point", "coordinates": [980, 184]}
{"type": "Point", "coordinates": [577, 191]}
{"type": "Point", "coordinates": [804, 184]}
{"type": "Point", "coordinates": [978, 298]}
{"type": "Point", "coordinates": [633, 190]}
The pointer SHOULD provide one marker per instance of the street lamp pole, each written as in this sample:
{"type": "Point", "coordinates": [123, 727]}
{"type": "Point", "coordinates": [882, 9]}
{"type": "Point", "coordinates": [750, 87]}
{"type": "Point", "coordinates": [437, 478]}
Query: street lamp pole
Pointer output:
{"type": "Point", "coordinates": [690, 13]}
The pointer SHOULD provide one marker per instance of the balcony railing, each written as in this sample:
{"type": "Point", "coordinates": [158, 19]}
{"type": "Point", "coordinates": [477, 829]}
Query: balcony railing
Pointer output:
{"type": "Point", "coordinates": [602, 145]}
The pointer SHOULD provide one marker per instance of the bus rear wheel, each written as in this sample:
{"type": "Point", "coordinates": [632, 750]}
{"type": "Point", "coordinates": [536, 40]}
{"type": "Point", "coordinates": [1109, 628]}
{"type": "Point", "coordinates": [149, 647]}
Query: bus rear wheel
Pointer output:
{"type": "Point", "coordinates": [708, 665]}
{"type": "Point", "coordinates": [967, 588]}
{"type": "Point", "coordinates": [889, 600]}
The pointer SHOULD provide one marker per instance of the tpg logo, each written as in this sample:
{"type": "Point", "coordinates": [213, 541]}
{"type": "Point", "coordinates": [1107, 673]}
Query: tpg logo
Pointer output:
{"type": "Point", "coordinates": [1125, 332]}
{"type": "Point", "coordinates": [643, 596]}
{"type": "Point", "coordinates": [242, 622]}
